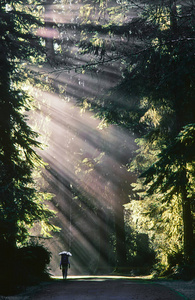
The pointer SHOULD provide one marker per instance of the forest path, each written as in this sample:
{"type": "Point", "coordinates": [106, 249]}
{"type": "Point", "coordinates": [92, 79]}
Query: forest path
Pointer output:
{"type": "Point", "coordinates": [102, 288]}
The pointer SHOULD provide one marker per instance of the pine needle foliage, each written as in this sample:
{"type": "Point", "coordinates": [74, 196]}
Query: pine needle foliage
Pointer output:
{"type": "Point", "coordinates": [22, 204]}
{"type": "Point", "coordinates": [171, 179]}
{"type": "Point", "coordinates": [154, 43]}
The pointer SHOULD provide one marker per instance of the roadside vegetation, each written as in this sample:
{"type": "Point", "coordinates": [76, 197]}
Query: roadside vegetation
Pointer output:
{"type": "Point", "coordinates": [148, 217]}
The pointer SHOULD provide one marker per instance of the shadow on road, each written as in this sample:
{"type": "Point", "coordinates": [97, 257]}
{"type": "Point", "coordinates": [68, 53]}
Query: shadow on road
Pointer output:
{"type": "Point", "coordinates": [102, 288]}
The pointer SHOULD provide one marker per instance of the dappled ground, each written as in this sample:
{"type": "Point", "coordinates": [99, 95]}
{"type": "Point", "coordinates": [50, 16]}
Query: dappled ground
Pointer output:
{"type": "Point", "coordinates": [105, 288]}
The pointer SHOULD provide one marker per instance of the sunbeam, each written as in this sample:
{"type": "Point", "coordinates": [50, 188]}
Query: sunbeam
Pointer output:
{"type": "Point", "coordinates": [97, 134]}
{"type": "Point", "coordinates": [73, 139]}
{"type": "Point", "coordinates": [86, 165]}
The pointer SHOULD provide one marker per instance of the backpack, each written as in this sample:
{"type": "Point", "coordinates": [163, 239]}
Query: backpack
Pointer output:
{"type": "Point", "coordinates": [64, 259]}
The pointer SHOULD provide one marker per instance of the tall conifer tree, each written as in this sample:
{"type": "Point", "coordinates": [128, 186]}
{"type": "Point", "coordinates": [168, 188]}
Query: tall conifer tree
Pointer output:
{"type": "Point", "coordinates": [155, 99]}
{"type": "Point", "coordinates": [21, 202]}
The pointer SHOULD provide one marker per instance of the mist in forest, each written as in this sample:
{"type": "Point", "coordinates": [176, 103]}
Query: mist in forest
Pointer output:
{"type": "Point", "coordinates": [97, 154]}
{"type": "Point", "coordinates": [83, 159]}
{"type": "Point", "coordinates": [86, 168]}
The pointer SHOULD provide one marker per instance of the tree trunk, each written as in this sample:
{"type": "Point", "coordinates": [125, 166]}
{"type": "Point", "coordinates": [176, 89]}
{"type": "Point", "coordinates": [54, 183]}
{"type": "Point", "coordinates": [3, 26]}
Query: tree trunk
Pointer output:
{"type": "Point", "coordinates": [173, 15]}
{"type": "Point", "coordinates": [49, 31]}
{"type": "Point", "coordinates": [121, 257]}
{"type": "Point", "coordinates": [104, 246]}
{"type": "Point", "coordinates": [187, 220]}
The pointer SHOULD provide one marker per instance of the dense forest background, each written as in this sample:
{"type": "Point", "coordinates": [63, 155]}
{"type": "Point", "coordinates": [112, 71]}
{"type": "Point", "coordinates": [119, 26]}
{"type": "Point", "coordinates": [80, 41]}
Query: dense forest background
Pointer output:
{"type": "Point", "coordinates": [97, 116]}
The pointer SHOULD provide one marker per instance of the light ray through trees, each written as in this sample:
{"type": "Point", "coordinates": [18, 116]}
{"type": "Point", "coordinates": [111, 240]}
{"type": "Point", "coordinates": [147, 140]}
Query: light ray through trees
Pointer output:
{"type": "Point", "coordinates": [72, 138]}
{"type": "Point", "coordinates": [86, 165]}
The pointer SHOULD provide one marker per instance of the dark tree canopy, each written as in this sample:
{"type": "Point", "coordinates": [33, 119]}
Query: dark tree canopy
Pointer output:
{"type": "Point", "coordinates": [151, 45]}
{"type": "Point", "coordinates": [155, 98]}
{"type": "Point", "coordinates": [22, 204]}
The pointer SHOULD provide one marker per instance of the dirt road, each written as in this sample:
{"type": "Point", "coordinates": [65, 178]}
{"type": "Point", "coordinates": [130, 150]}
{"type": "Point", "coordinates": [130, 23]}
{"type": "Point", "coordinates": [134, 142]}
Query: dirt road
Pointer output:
{"type": "Point", "coordinates": [102, 289]}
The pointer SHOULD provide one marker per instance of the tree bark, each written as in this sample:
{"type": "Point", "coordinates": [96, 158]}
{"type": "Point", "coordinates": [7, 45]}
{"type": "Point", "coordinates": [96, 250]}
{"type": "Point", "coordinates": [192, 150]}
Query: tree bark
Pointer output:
{"type": "Point", "coordinates": [173, 15]}
{"type": "Point", "coordinates": [104, 245]}
{"type": "Point", "coordinates": [48, 28]}
{"type": "Point", "coordinates": [187, 220]}
{"type": "Point", "coordinates": [121, 257]}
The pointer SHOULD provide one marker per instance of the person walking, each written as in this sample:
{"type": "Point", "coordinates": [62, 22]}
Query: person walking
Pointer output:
{"type": "Point", "coordinates": [64, 263]}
